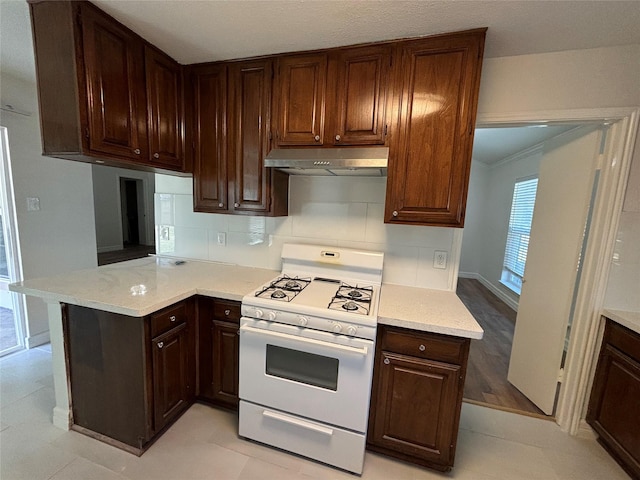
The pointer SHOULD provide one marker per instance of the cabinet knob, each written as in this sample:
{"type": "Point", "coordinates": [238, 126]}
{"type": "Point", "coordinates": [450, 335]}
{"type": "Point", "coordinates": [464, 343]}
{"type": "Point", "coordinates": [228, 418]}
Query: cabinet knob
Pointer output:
{"type": "Point", "coordinates": [220, 205]}
{"type": "Point", "coordinates": [422, 348]}
{"type": "Point", "coordinates": [317, 138]}
{"type": "Point", "coordinates": [172, 318]}
{"type": "Point", "coordinates": [236, 204]}
{"type": "Point", "coordinates": [156, 155]}
{"type": "Point", "coordinates": [160, 344]}
{"type": "Point", "coordinates": [337, 138]}
{"type": "Point", "coordinates": [227, 312]}
{"type": "Point", "coordinates": [137, 151]}
{"type": "Point", "coordinates": [395, 213]}
{"type": "Point", "coordinates": [387, 361]}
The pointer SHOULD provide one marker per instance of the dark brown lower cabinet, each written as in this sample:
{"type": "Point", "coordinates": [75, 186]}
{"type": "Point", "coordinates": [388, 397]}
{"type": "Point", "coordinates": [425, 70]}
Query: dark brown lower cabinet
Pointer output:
{"type": "Point", "coordinates": [126, 386]}
{"type": "Point", "coordinates": [219, 351]}
{"type": "Point", "coordinates": [417, 395]}
{"type": "Point", "coordinates": [614, 406]}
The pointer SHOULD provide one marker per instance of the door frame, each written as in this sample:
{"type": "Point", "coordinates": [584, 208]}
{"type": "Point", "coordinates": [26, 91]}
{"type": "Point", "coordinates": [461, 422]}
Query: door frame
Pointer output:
{"type": "Point", "coordinates": [12, 242]}
{"type": "Point", "coordinates": [586, 330]}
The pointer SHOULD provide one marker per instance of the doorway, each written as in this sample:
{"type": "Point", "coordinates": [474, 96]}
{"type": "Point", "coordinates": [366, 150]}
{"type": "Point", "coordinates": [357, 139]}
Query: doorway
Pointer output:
{"type": "Point", "coordinates": [11, 305]}
{"type": "Point", "coordinates": [502, 193]}
{"type": "Point", "coordinates": [132, 204]}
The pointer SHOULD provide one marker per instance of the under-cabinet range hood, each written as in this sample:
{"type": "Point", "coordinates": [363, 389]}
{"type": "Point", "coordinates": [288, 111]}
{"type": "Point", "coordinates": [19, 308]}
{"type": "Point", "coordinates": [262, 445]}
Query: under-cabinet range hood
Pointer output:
{"type": "Point", "coordinates": [365, 161]}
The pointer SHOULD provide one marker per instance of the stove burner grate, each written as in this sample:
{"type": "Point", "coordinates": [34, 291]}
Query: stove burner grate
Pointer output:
{"type": "Point", "coordinates": [354, 299]}
{"type": "Point", "coordinates": [284, 288]}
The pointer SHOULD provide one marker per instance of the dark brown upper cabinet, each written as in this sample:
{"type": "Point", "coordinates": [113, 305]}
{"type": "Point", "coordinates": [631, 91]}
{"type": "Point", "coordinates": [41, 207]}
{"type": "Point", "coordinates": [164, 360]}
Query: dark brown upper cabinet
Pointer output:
{"type": "Point", "coordinates": [209, 89]}
{"type": "Point", "coordinates": [430, 157]}
{"type": "Point", "coordinates": [356, 115]}
{"type": "Point", "coordinates": [105, 95]}
{"type": "Point", "coordinates": [232, 114]}
{"type": "Point", "coordinates": [332, 99]}
{"type": "Point", "coordinates": [300, 97]}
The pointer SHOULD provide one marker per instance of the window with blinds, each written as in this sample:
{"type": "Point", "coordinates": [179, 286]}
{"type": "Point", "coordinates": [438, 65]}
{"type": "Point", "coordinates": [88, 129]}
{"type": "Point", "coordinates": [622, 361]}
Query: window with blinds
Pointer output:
{"type": "Point", "coordinates": [515, 255]}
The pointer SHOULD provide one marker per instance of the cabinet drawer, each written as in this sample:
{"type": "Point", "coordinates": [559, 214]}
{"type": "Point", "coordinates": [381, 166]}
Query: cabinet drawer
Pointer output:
{"type": "Point", "coordinates": [623, 339]}
{"type": "Point", "coordinates": [423, 345]}
{"type": "Point", "coordinates": [168, 318]}
{"type": "Point", "coordinates": [226, 310]}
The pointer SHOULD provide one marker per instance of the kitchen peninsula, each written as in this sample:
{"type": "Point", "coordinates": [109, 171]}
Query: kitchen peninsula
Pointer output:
{"type": "Point", "coordinates": [182, 317]}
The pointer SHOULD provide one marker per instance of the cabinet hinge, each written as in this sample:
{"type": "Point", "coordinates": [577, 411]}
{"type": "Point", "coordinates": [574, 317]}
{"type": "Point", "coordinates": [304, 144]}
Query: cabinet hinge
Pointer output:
{"type": "Point", "coordinates": [86, 132]}
{"type": "Point", "coordinates": [385, 130]}
{"type": "Point", "coordinates": [560, 375]}
{"type": "Point", "coordinates": [270, 135]}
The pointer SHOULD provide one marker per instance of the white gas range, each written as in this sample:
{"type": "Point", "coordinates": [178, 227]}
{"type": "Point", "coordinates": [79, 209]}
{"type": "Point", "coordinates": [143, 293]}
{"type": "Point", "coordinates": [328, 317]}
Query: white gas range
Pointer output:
{"type": "Point", "coordinates": [306, 354]}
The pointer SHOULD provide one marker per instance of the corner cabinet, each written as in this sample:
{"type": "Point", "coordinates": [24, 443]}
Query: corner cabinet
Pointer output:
{"type": "Point", "coordinates": [417, 396]}
{"type": "Point", "coordinates": [437, 85]}
{"type": "Point", "coordinates": [231, 105]}
{"type": "Point", "coordinates": [614, 407]}
{"type": "Point", "coordinates": [105, 95]}
{"type": "Point", "coordinates": [144, 366]}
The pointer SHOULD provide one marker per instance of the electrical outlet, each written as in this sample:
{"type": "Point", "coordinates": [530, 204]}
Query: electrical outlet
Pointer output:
{"type": "Point", "coordinates": [33, 204]}
{"type": "Point", "coordinates": [222, 238]}
{"type": "Point", "coordinates": [440, 259]}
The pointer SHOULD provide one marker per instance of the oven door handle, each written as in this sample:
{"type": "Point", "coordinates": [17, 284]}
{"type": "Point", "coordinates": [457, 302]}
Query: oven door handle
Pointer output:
{"type": "Point", "coordinates": [297, 422]}
{"type": "Point", "coordinates": [312, 341]}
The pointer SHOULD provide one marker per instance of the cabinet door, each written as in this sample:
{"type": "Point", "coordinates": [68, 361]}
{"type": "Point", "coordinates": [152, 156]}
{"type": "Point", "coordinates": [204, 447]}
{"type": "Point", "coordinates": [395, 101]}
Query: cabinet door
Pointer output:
{"type": "Point", "coordinates": [225, 342]}
{"type": "Point", "coordinates": [415, 409]}
{"type": "Point", "coordinates": [301, 87]}
{"type": "Point", "coordinates": [114, 65]}
{"type": "Point", "coordinates": [249, 135]}
{"type": "Point", "coordinates": [430, 160]}
{"type": "Point", "coordinates": [210, 138]}
{"type": "Point", "coordinates": [164, 109]}
{"type": "Point", "coordinates": [362, 82]}
{"type": "Point", "coordinates": [614, 409]}
{"type": "Point", "coordinates": [170, 375]}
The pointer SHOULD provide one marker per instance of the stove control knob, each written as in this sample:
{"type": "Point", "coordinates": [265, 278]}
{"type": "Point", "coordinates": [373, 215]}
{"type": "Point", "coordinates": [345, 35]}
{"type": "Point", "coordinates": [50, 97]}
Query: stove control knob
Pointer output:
{"type": "Point", "coordinates": [271, 316]}
{"type": "Point", "coordinates": [302, 321]}
{"type": "Point", "coordinates": [259, 313]}
{"type": "Point", "coordinates": [351, 330]}
{"type": "Point", "coordinates": [337, 328]}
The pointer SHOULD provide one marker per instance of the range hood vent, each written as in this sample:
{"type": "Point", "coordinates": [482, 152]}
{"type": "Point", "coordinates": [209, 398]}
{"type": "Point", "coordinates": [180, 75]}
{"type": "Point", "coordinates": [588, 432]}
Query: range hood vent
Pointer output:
{"type": "Point", "coordinates": [365, 162]}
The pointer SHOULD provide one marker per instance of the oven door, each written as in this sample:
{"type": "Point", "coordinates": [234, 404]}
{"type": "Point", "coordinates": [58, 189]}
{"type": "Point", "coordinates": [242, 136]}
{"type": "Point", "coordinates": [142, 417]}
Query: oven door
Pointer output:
{"type": "Point", "coordinates": [318, 375]}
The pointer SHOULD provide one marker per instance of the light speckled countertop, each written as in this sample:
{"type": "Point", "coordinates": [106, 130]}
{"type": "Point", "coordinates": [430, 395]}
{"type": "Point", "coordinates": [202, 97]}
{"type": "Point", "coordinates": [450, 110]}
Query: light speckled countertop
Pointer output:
{"type": "Point", "coordinates": [631, 320]}
{"type": "Point", "coordinates": [109, 288]}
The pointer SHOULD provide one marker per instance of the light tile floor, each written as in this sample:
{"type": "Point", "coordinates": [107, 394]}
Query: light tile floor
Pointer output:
{"type": "Point", "coordinates": [203, 444]}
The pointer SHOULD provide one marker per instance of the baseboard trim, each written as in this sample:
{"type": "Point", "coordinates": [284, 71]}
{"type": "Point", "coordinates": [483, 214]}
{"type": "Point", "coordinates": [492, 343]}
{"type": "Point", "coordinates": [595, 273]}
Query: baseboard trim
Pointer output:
{"type": "Point", "coordinates": [468, 275]}
{"type": "Point", "coordinates": [37, 340]}
{"type": "Point", "coordinates": [510, 302]}
{"type": "Point", "coordinates": [62, 418]}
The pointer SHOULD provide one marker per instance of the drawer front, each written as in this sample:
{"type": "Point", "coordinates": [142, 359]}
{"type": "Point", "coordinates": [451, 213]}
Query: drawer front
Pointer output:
{"type": "Point", "coordinates": [168, 318]}
{"type": "Point", "coordinates": [226, 310]}
{"type": "Point", "coordinates": [623, 339]}
{"type": "Point", "coordinates": [424, 345]}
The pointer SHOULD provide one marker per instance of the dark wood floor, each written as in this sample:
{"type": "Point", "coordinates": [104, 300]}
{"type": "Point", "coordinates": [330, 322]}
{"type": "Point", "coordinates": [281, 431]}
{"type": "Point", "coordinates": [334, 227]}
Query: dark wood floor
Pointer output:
{"type": "Point", "coordinates": [486, 381]}
{"type": "Point", "coordinates": [128, 253]}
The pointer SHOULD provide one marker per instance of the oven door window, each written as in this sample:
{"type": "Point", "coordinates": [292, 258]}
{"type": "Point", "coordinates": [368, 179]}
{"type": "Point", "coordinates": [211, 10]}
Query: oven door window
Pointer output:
{"type": "Point", "coordinates": [302, 367]}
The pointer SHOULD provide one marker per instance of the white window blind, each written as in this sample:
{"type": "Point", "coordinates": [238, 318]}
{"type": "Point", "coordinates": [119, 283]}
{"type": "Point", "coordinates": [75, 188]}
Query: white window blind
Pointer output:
{"type": "Point", "coordinates": [515, 255]}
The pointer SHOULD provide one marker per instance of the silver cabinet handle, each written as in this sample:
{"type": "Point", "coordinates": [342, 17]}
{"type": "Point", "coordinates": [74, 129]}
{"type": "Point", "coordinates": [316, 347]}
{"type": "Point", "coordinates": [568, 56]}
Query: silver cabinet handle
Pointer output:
{"type": "Point", "coordinates": [156, 155]}
{"type": "Point", "coordinates": [160, 344]}
{"type": "Point", "coordinates": [395, 213]}
{"type": "Point", "coordinates": [387, 361]}
{"type": "Point", "coordinates": [172, 318]}
{"type": "Point", "coordinates": [227, 312]}
{"type": "Point", "coordinates": [220, 205]}
{"type": "Point", "coordinates": [137, 151]}
{"type": "Point", "coordinates": [337, 138]}
{"type": "Point", "coordinates": [236, 204]}
{"type": "Point", "coordinates": [422, 348]}
{"type": "Point", "coordinates": [317, 138]}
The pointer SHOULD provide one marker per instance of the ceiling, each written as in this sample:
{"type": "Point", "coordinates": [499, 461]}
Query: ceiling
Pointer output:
{"type": "Point", "coordinates": [208, 30]}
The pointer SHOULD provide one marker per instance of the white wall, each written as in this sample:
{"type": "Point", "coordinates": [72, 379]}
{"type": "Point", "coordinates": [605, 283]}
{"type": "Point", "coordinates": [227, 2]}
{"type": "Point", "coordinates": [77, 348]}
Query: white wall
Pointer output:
{"type": "Point", "coordinates": [342, 211]}
{"type": "Point", "coordinates": [108, 211]}
{"type": "Point", "coordinates": [483, 247]}
{"type": "Point", "coordinates": [61, 236]}
{"type": "Point", "coordinates": [623, 288]}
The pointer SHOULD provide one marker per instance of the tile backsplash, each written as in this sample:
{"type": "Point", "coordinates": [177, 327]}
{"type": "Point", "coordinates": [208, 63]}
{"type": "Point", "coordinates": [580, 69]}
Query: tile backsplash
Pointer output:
{"type": "Point", "coordinates": [340, 211]}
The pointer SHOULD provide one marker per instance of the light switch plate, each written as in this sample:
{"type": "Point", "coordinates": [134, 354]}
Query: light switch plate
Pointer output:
{"type": "Point", "coordinates": [440, 259]}
{"type": "Point", "coordinates": [222, 238]}
{"type": "Point", "coordinates": [33, 204]}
